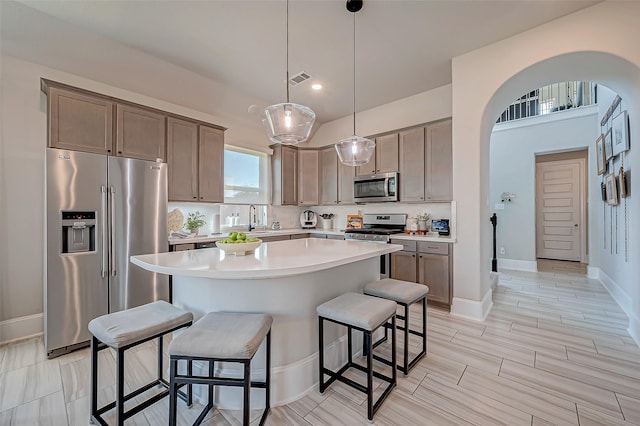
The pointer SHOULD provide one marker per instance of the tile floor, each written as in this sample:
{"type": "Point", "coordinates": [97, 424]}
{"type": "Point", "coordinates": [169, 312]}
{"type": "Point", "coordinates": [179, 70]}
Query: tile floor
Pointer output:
{"type": "Point", "coordinates": [554, 350]}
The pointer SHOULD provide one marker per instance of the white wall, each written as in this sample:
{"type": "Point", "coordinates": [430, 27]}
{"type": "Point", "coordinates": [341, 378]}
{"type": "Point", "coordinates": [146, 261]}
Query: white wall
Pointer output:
{"type": "Point", "coordinates": [22, 160]}
{"type": "Point", "coordinates": [418, 109]}
{"type": "Point", "coordinates": [486, 80]}
{"type": "Point", "coordinates": [513, 169]}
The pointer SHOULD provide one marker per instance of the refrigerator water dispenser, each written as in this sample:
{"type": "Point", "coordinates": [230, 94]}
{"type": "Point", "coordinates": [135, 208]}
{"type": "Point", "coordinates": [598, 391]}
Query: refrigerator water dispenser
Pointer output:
{"type": "Point", "coordinates": [78, 231]}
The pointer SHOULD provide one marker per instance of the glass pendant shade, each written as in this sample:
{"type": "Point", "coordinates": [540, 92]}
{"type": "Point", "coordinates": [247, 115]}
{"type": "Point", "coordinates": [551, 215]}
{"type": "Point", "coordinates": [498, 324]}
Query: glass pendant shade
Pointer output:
{"type": "Point", "coordinates": [288, 123]}
{"type": "Point", "coordinates": [355, 150]}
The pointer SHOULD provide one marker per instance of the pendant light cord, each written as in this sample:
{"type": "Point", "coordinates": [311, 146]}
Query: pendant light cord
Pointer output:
{"type": "Point", "coordinates": [354, 73]}
{"type": "Point", "coordinates": [287, 25]}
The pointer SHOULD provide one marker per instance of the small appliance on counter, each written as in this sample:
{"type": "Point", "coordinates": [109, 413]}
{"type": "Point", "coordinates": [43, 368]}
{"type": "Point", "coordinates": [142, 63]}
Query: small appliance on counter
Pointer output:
{"type": "Point", "coordinates": [441, 226]}
{"type": "Point", "coordinates": [308, 219]}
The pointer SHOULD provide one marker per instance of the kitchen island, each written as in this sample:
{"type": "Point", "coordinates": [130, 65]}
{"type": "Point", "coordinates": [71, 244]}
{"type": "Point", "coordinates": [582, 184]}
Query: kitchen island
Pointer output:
{"type": "Point", "coordinates": [286, 279]}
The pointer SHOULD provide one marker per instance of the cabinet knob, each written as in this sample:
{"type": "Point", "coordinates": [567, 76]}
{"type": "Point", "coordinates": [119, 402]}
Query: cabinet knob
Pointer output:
{"type": "Point", "coordinates": [119, 152]}
{"type": "Point", "coordinates": [195, 198]}
{"type": "Point", "coordinates": [108, 150]}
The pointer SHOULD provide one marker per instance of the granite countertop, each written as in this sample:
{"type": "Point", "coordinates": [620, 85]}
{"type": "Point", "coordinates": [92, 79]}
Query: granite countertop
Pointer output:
{"type": "Point", "coordinates": [270, 260]}
{"type": "Point", "coordinates": [292, 231]}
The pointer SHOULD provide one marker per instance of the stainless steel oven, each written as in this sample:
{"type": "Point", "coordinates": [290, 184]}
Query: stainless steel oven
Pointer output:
{"type": "Point", "coordinates": [378, 228]}
{"type": "Point", "coordinates": [376, 188]}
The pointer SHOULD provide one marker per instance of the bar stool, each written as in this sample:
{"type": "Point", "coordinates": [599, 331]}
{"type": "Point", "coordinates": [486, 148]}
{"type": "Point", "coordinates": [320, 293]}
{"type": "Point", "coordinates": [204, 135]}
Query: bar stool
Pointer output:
{"type": "Point", "coordinates": [405, 294]}
{"type": "Point", "coordinates": [121, 331]}
{"type": "Point", "coordinates": [365, 314]}
{"type": "Point", "coordinates": [223, 337]}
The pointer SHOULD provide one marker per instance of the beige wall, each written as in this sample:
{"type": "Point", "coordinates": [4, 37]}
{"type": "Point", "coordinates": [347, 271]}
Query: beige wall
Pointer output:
{"type": "Point", "coordinates": [486, 80]}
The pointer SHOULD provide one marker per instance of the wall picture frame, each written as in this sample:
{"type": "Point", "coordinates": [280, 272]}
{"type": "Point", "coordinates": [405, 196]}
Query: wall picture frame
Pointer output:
{"type": "Point", "coordinates": [620, 127]}
{"type": "Point", "coordinates": [612, 189]}
{"type": "Point", "coordinates": [608, 145]}
{"type": "Point", "coordinates": [622, 180]}
{"type": "Point", "coordinates": [601, 165]}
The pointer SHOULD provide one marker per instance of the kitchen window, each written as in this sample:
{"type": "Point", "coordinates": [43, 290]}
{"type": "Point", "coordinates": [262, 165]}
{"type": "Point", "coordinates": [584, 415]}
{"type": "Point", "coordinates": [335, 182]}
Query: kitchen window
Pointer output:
{"type": "Point", "coordinates": [246, 176]}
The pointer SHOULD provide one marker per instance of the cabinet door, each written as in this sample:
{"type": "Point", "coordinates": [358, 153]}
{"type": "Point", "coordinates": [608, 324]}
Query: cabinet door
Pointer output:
{"type": "Point", "coordinates": [433, 270]}
{"type": "Point", "coordinates": [80, 122]}
{"type": "Point", "coordinates": [140, 133]}
{"type": "Point", "coordinates": [182, 159]}
{"type": "Point", "coordinates": [329, 176]}
{"type": "Point", "coordinates": [387, 153]}
{"type": "Point", "coordinates": [412, 175]}
{"type": "Point", "coordinates": [404, 266]}
{"type": "Point", "coordinates": [211, 165]}
{"type": "Point", "coordinates": [309, 178]}
{"type": "Point", "coordinates": [289, 176]}
{"type": "Point", "coordinates": [370, 167]}
{"type": "Point", "coordinates": [275, 238]}
{"type": "Point", "coordinates": [345, 183]}
{"type": "Point", "coordinates": [439, 162]}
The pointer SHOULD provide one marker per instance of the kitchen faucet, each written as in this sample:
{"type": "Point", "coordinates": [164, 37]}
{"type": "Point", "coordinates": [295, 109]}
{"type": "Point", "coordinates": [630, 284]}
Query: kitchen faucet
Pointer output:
{"type": "Point", "coordinates": [252, 218]}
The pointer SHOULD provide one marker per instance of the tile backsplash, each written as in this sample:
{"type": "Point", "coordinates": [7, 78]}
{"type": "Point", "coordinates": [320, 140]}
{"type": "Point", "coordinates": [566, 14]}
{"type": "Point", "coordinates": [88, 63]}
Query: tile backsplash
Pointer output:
{"type": "Point", "coordinates": [216, 215]}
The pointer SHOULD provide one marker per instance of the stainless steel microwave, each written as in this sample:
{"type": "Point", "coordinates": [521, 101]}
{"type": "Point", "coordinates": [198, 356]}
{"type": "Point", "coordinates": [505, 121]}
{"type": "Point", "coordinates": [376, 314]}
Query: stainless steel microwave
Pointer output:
{"type": "Point", "coordinates": [375, 188]}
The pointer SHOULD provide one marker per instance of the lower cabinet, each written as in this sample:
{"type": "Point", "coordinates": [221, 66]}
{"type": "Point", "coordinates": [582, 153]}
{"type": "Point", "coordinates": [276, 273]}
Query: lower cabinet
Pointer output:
{"type": "Point", "coordinates": [275, 238]}
{"type": "Point", "coordinates": [404, 266]}
{"type": "Point", "coordinates": [428, 263]}
{"type": "Point", "coordinates": [299, 236]}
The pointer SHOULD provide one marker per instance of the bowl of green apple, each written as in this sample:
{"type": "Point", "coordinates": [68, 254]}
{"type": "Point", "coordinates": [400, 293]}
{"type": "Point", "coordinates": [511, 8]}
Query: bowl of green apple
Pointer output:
{"type": "Point", "coordinates": [237, 243]}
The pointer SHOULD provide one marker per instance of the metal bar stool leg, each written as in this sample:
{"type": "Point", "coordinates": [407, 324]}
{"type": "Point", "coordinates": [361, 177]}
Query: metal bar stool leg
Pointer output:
{"type": "Point", "coordinates": [173, 394]}
{"type": "Point", "coordinates": [405, 363]}
{"type": "Point", "coordinates": [247, 392]}
{"type": "Point", "coordinates": [94, 378]}
{"type": "Point", "coordinates": [120, 388]}
{"type": "Point", "coordinates": [160, 358]}
{"type": "Point", "coordinates": [321, 353]}
{"type": "Point", "coordinates": [268, 378]}
{"type": "Point", "coordinates": [368, 339]}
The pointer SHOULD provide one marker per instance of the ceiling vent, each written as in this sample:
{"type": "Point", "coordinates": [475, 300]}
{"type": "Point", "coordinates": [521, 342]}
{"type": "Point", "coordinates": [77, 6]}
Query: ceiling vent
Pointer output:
{"type": "Point", "coordinates": [299, 78]}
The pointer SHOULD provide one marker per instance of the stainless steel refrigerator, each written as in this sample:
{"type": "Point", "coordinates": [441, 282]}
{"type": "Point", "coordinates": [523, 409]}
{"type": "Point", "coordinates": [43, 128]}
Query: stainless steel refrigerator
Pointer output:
{"type": "Point", "coordinates": [100, 211]}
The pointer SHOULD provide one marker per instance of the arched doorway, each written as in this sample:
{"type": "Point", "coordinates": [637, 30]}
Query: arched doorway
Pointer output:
{"type": "Point", "coordinates": [486, 80]}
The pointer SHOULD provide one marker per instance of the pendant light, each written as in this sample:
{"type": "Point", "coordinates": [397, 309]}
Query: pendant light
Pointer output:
{"type": "Point", "coordinates": [354, 150]}
{"type": "Point", "coordinates": [288, 123]}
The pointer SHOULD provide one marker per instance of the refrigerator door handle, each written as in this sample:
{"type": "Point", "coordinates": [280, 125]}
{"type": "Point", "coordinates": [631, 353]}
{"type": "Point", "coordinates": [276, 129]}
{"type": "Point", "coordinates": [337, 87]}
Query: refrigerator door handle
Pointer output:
{"type": "Point", "coordinates": [112, 246]}
{"type": "Point", "coordinates": [104, 257]}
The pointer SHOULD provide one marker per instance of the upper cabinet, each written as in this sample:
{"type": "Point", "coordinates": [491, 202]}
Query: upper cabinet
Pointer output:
{"type": "Point", "coordinates": [285, 175]}
{"type": "Point", "coordinates": [140, 133]}
{"type": "Point", "coordinates": [79, 122]}
{"type": "Point", "coordinates": [384, 158]}
{"type": "Point", "coordinates": [308, 177]}
{"type": "Point", "coordinates": [387, 153]}
{"type": "Point", "coordinates": [426, 163]}
{"type": "Point", "coordinates": [196, 161]}
{"type": "Point", "coordinates": [412, 165]}
{"type": "Point", "coordinates": [329, 176]}
{"type": "Point", "coordinates": [210, 164]}
{"type": "Point", "coordinates": [438, 162]}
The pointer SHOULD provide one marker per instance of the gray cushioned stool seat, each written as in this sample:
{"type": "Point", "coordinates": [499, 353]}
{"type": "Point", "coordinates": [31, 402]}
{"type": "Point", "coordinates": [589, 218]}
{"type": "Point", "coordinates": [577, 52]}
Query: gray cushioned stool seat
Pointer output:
{"type": "Point", "coordinates": [358, 310]}
{"type": "Point", "coordinates": [223, 335]}
{"type": "Point", "coordinates": [122, 328]}
{"type": "Point", "coordinates": [396, 290]}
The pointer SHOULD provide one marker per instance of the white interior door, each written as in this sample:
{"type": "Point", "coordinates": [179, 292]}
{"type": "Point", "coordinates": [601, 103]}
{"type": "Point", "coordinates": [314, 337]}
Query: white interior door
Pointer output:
{"type": "Point", "coordinates": [559, 209]}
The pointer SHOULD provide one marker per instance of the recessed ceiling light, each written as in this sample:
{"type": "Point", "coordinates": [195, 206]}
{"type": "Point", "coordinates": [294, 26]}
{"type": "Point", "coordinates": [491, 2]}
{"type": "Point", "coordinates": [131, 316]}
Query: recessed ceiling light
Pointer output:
{"type": "Point", "coordinates": [316, 86]}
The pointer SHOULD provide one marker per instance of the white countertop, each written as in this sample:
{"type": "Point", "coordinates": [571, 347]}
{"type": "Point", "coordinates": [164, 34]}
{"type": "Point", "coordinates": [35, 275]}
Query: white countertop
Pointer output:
{"type": "Point", "coordinates": [216, 237]}
{"type": "Point", "coordinates": [270, 260]}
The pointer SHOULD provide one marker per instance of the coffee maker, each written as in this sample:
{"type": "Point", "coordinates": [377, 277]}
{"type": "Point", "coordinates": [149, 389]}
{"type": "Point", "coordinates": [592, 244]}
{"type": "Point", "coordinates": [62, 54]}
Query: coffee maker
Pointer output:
{"type": "Point", "coordinates": [308, 219]}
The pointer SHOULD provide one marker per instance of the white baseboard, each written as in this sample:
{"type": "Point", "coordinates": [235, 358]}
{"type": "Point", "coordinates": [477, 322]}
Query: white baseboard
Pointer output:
{"type": "Point", "coordinates": [623, 300]}
{"type": "Point", "coordinates": [518, 265]}
{"type": "Point", "coordinates": [21, 328]}
{"type": "Point", "coordinates": [472, 309]}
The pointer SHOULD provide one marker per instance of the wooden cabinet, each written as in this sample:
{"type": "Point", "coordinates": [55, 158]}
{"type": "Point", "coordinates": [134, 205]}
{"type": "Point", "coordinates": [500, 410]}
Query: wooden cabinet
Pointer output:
{"type": "Point", "coordinates": [434, 270]}
{"type": "Point", "coordinates": [195, 158]}
{"type": "Point", "coordinates": [426, 164]}
{"type": "Point", "coordinates": [438, 162]}
{"type": "Point", "coordinates": [384, 158]}
{"type": "Point", "coordinates": [428, 263]}
{"type": "Point", "coordinates": [285, 175]}
{"type": "Point", "coordinates": [336, 179]}
{"type": "Point", "coordinates": [387, 153]}
{"type": "Point", "coordinates": [182, 159]}
{"type": "Point", "coordinates": [404, 266]}
{"type": "Point", "coordinates": [140, 133]}
{"type": "Point", "coordinates": [412, 154]}
{"type": "Point", "coordinates": [329, 176]}
{"type": "Point", "coordinates": [272, 238]}
{"type": "Point", "coordinates": [299, 236]}
{"type": "Point", "coordinates": [79, 122]}
{"type": "Point", "coordinates": [210, 164]}
{"type": "Point", "coordinates": [309, 178]}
